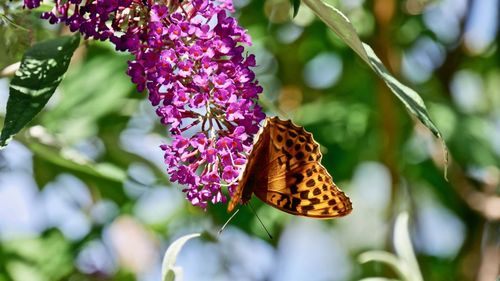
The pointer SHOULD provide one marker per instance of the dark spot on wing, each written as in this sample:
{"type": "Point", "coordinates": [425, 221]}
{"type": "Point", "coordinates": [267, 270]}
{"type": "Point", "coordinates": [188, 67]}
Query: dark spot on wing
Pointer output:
{"type": "Point", "coordinates": [332, 202]}
{"type": "Point", "coordinates": [309, 147]}
{"type": "Point", "coordinates": [295, 203]}
{"type": "Point", "coordinates": [304, 194]}
{"type": "Point", "coordinates": [299, 155]}
{"type": "Point", "coordinates": [280, 161]}
{"type": "Point", "coordinates": [298, 177]}
{"type": "Point", "coordinates": [314, 201]}
{"type": "Point", "coordinates": [287, 154]}
{"type": "Point", "coordinates": [307, 208]}
{"type": "Point", "coordinates": [309, 172]}
{"type": "Point", "coordinates": [311, 183]}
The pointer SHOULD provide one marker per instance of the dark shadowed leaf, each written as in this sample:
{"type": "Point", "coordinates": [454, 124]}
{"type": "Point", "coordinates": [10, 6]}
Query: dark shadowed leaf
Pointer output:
{"type": "Point", "coordinates": [42, 69]}
{"type": "Point", "coordinates": [296, 6]}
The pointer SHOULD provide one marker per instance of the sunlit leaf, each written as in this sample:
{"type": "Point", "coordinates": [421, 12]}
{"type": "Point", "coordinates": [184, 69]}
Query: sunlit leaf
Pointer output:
{"type": "Point", "coordinates": [405, 262]}
{"type": "Point", "coordinates": [42, 69]}
{"type": "Point", "coordinates": [404, 248]}
{"type": "Point", "coordinates": [169, 270]}
{"type": "Point", "coordinates": [104, 170]}
{"type": "Point", "coordinates": [378, 279]}
{"type": "Point", "coordinates": [384, 257]}
{"type": "Point", "coordinates": [106, 177]}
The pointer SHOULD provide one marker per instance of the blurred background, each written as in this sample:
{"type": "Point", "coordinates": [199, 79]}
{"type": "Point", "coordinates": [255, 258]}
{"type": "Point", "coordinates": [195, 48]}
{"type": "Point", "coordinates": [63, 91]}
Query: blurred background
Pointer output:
{"type": "Point", "coordinates": [84, 195]}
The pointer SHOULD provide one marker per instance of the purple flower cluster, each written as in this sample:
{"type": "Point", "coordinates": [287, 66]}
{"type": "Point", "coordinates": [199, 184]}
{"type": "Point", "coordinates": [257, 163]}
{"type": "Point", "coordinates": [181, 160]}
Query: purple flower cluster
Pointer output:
{"type": "Point", "coordinates": [190, 57]}
{"type": "Point", "coordinates": [205, 92]}
{"type": "Point", "coordinates": [121, 22]}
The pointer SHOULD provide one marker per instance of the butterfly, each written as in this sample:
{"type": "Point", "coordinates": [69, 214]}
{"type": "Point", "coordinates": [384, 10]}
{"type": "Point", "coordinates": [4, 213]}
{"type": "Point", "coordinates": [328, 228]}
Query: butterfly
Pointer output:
{"type": "Point", "coordinates": [284, 170]}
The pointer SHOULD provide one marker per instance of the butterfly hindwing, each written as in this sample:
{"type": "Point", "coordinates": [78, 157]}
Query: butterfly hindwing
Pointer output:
{"type": "Point", "coordinates": [284, 171]}
{"type": "Point", "coordinates": [310, 192]}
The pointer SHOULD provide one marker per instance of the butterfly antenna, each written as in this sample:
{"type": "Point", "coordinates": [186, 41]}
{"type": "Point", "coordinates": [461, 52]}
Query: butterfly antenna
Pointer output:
{"type": "Point", "coordinates": [261, 223]}
{"type": "Point", "coordinates": [227, 222]}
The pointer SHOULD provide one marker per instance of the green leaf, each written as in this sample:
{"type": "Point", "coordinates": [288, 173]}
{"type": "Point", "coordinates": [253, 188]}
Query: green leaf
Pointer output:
{"type": "Point", "coordinates": [341, 25]}
{"type": "Point", "coordinates": [384, 257]}
{"type": "Point", "coordinates": [82, 105]}
{"type": "Point", "coordinates": [104, 171]}
{"type": "Point", "coordinates": [169, 271]}
{"type": "Point", "coordinates": [106, 177]}
{"type": "Point", "coordinates": [405, 263]}
{"type": "Point", "coordinates": [378, 279]}
{"type": "Point", "coordinates": [408, 96]}
{"type": "Point", "coordinates": [42, 258]}
{"type": "Point", "coordinates": [404, 248]}
{"type": "Point", "coordinates": [42, 69]}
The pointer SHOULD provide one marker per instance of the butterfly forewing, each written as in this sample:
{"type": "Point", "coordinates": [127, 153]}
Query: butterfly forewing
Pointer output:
{"type": "Point", "coordinates": [291, 145]}
{"type": "Point", "coordinates": [284, 171]}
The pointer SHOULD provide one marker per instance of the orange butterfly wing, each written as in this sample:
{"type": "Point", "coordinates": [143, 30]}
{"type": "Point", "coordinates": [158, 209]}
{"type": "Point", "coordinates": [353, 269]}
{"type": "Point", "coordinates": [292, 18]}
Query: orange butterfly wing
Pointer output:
{"type": "Point", "coordinates": [284, 171]}
{"type": "Point", "coordinates": [249, 178]}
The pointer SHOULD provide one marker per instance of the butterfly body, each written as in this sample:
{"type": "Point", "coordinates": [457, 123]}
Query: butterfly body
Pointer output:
{"type": "Point", "coordinates": [284, 171]}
